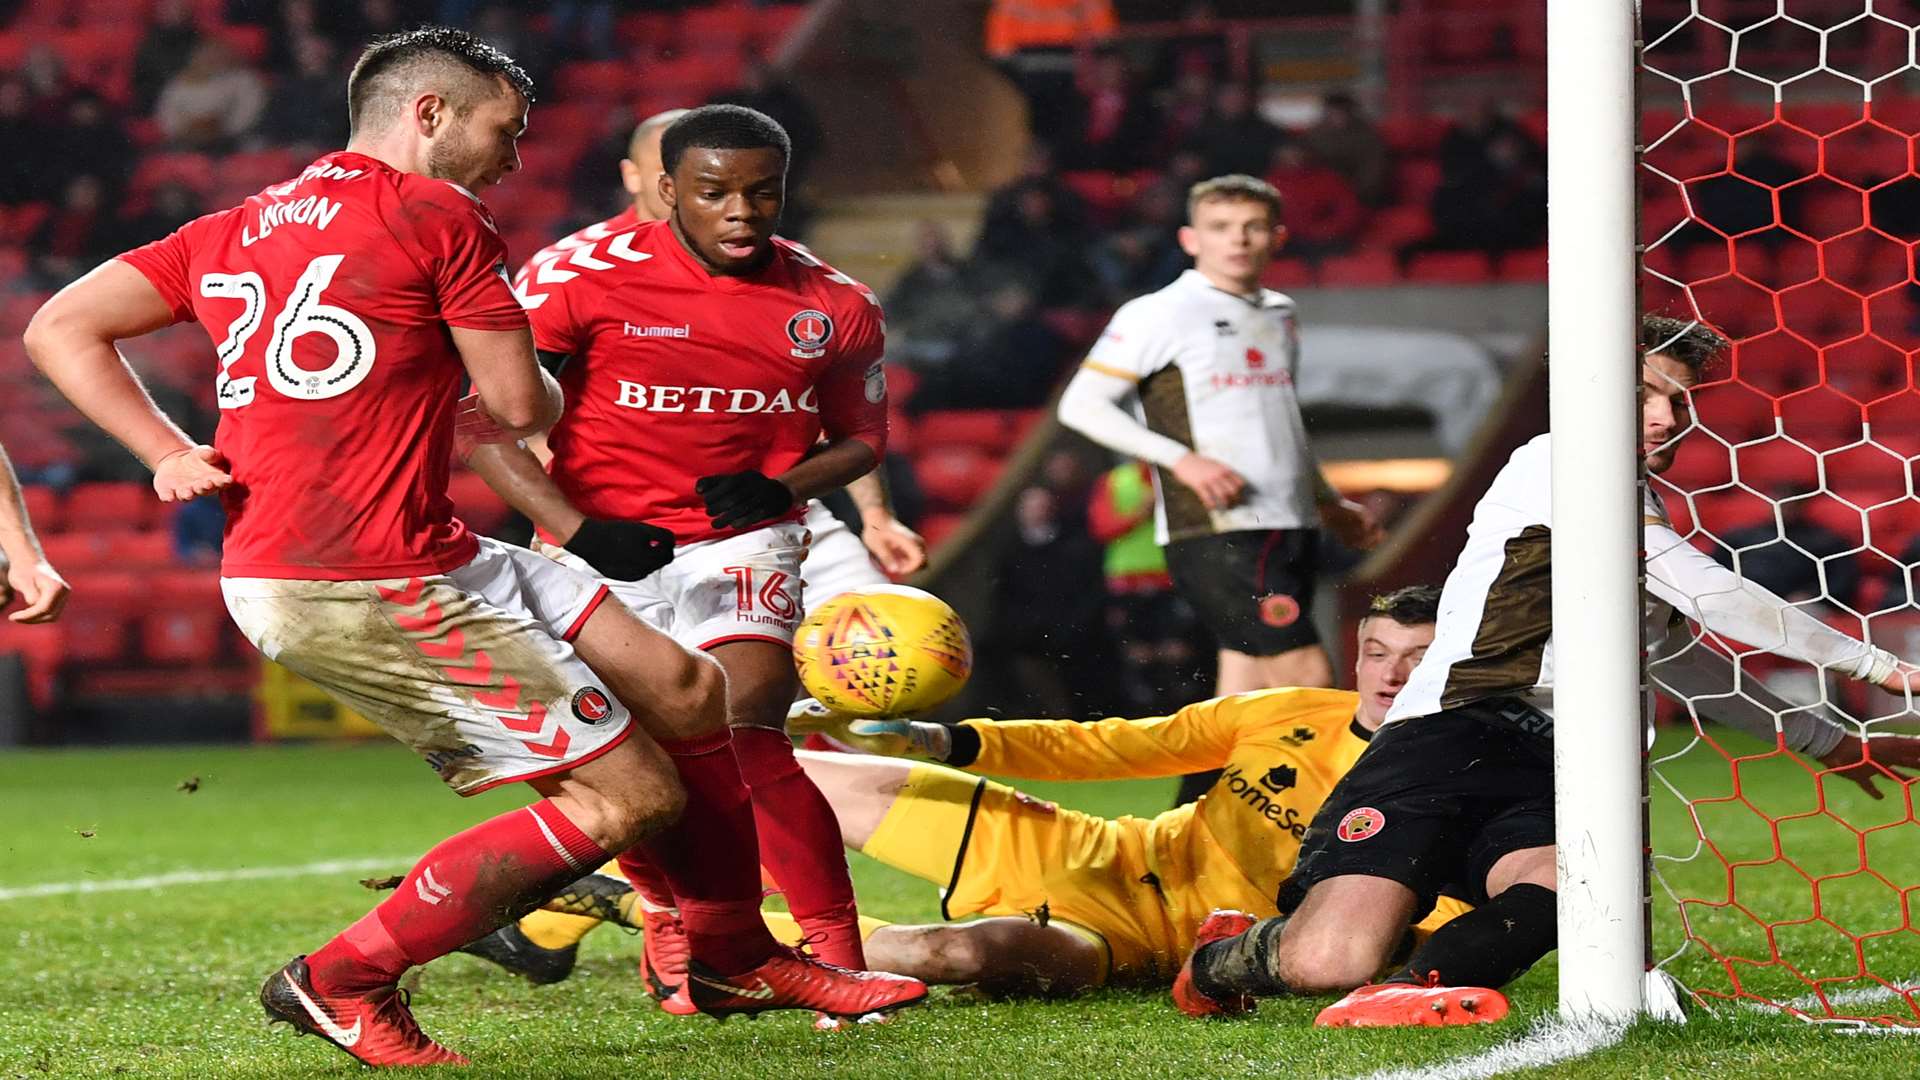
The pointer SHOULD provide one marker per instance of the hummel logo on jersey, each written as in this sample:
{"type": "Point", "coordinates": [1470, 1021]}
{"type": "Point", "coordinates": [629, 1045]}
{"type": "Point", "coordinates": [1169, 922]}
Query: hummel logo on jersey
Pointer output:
{"type": "Point", "coordinates": [340, 1035]}
{"type": "Point", "coordinates": [429, 887]}
{"type": "Point", "coordinates": [759, 991]}
{"type": "Point", "coordinates": [631, 330]}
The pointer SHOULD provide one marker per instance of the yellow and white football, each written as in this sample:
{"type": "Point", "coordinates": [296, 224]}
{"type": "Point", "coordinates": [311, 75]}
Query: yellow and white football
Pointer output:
{"type": "Point", "coordinates": [890, 650]}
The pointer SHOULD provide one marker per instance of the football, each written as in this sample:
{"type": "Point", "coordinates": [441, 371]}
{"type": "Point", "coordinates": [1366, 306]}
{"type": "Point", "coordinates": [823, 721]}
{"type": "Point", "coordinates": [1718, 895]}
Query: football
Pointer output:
{"type": "Point", "coordinates": [890, 650]}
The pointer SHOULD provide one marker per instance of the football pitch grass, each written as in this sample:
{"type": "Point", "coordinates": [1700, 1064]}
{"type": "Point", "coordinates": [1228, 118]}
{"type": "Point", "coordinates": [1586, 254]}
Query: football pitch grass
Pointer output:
{"type": "Point", "coordinates": [160, 980]}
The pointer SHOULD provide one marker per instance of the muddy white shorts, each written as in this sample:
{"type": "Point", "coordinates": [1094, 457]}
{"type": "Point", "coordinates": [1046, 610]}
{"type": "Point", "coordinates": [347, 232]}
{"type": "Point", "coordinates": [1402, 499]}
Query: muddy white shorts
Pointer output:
{"type": "Point", "coordinates": [737, 588]}
{"type": "Point", "coordinates": [837, 562]}
{"type": "Point", "coordinates": [472, 668]}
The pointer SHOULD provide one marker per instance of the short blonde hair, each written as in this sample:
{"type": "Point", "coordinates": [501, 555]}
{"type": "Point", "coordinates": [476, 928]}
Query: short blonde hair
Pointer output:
{"type": "Point", "coordinates": [1233, 187]}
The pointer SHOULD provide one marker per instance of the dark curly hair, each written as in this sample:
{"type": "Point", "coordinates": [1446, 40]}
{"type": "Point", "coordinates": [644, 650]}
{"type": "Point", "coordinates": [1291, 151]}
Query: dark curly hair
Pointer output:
{"type": "Point", "coordinates": [1691, 342]}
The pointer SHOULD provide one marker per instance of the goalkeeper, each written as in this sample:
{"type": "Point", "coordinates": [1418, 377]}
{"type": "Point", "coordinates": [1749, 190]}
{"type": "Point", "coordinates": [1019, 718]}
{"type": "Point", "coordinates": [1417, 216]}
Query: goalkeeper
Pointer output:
{"type": "Point", "coordinates": [1076, 900]}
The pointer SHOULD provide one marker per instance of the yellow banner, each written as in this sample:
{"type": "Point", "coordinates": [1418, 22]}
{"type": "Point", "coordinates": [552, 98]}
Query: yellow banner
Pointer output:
{"type": "Point", "coordinates": [287, 706]}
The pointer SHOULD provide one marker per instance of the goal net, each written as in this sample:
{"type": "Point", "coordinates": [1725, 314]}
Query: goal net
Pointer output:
{"type": "Point", "coordinates": [1780, 205]}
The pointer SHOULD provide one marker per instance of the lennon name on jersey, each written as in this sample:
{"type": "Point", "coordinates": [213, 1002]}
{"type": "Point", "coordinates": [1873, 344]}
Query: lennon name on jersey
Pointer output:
{"type": "Point", "coordinates": [315, 210]}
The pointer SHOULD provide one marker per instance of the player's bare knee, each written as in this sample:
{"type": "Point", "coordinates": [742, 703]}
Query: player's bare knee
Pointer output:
{"type": "Point", "coordinates": [688, 700]}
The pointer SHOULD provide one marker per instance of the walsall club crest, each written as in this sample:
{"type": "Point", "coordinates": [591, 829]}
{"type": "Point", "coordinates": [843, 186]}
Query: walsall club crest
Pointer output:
{"type": "Point", "coordinates": [810, 330]}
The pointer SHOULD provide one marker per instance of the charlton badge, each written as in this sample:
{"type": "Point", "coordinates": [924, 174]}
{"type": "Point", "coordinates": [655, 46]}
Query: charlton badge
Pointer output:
{"type": "Point", "coordinates": [590, 704]}
{"type": "Point", "coordinates": [810, 330]}
{"type": "Point", "coordinates": [1360, 824]}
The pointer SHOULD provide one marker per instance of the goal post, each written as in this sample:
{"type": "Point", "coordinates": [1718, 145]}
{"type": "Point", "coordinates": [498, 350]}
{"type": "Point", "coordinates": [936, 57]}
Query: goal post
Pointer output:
{"type": "Point", "coordinates": [1593, 375]}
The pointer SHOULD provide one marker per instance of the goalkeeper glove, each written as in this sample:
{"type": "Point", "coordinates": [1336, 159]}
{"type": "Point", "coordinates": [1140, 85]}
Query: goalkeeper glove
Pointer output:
{"type": "Point", "coordinates": [743, 499]}
{"type": "Point", "coordinates": [884, 737]}
{"type": "Point", "coordinates": [622, 550]}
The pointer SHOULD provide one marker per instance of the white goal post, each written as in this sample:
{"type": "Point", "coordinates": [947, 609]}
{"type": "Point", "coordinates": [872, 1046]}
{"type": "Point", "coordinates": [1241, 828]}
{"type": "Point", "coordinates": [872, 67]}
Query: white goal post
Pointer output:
{"type": "Point", "coordinates": [1599, 747]}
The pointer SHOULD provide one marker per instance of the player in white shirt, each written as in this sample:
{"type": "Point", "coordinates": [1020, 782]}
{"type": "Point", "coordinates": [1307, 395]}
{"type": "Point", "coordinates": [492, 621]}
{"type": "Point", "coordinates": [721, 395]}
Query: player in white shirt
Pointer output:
{"type": "Point", "coordinates": [1197, 379]}
{"type": "Point", "coordinates": [1456, 790]}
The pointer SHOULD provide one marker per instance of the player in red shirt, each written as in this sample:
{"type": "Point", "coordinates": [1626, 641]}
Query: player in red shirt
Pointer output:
{"type": "Point", "coordinates": [348, 303]}
{"type": "Point", "coordinates": [24, 569]}
{"type": "Point", "coordinates": [704, 358]}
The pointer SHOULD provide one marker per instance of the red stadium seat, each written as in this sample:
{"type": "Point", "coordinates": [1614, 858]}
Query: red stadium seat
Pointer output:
{"type": "Point", "coordinates": [103, 607]}
{"type": "Point", "coordinates": [115, 505]}
{"type": "Point", "coordinates": [954, 477]}
{"type": "Point", "coordinates": [1360, 269]}
{"type": "Point", "coordinates": [42, 648]}
{"type": "Point", "coordinates": [182, 635]}
{"type": "Point", "coordinates": [1076, 327]}
{"type": "Point", "coordinates": [196, 171]}
{"type": "Point", "coordinates": [74, 551]}
{"type": "Point", "coordinates": [1416, 179]}
{"type": "Point", "coordinates": [989, 431]}
{"type": "Point", "coordinates": [1450, 268]}
{"type": "Point", "coordinates": [595, 80]}
{"type": "Point", "coordinates": [152, 549]}
{"type": "Point", "coordinates": [1398, 226]}
{"type": "Point", "coordinates": [1285, 273]}
{"type": "Point", "coordinates": [1416, 135]}
{"type": "Point", "coordinates": [43, 508]}
{"type": "Point", "coordinates": [1529, 265]}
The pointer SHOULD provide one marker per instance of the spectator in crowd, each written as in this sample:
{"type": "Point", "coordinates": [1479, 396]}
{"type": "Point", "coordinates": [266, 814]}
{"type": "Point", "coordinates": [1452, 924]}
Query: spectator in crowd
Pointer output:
{"type": "Point", "coordinates": [1115, 124]}
{"type": "Point", "coordinates": [163, 51]}
{"type": "Point", "coordinates": [91, 139]}
{"type": "Point", "coordinates": [315, 77]}
{"type": "Point", "coordinates": [1034, 244]}
{"type": "Point", "coordinates": [1033, 41]}
{"type": "Point", "coordinates": [1799, 559]}
{"type": "Point", "coordinates": [1493, 191]}
{"type": "Point", "coordinates": [377, 18]}
{"type": "Point", "coordinates": [1037, 169]}
{"type": "Point", "coordinates": [170, 205]}
{"type": "Point", "coordinates": [1234, 137]}
{"type": "Point", "coordinates": [933, 306]}
{"type": "Point", "coordinates": [1010, 361]}
{"type": "Point", "coordinates": [1143, 255]}
{"type": "Point", "coordinates": [79, 233]}
{"type": "Point", "coordinates": [1184, 110]}
{"type": "Point", "coordinates": [1323, 215]}
{"type": "Point", "coordinates": [1346, 142]}
{"type": "Point", "coordinates": [198, 528]}
{"type": "Point", "coordinates": [46, 77]}
{"type": "Point", "coordinates": [1045, 635]}
{"type": "Point", "coordinates": [584, 28]}
{"type": "Point", "coordinates": [1165, 654]}
{"type": "Point", "coordinates": [213, 103]}
{"type": "Point", "coordinates": [24, 168]}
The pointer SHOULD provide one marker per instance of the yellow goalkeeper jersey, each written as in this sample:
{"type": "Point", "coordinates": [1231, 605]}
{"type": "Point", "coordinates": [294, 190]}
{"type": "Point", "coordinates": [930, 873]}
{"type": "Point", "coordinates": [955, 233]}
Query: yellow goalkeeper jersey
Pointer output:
{"type": "Point", "coordinates": [1281, 750]}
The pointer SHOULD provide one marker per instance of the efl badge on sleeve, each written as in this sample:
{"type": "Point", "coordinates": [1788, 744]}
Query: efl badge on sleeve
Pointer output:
{"type": "Point", "coordinates": [810, 330]}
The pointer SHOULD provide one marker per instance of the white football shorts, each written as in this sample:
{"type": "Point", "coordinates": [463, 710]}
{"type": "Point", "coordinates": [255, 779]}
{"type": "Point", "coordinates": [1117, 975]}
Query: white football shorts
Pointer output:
{"type": "Point", "coordinates": [837, 562]}
{"type": "Point", "coordinates": [737, 588]}
{"type": "Point", "coordinates": [472, 668]}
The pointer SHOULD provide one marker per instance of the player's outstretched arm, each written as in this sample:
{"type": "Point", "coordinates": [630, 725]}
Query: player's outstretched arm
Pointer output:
{"type": "Point", "coordinates": [23, 566]}
{"type": "Point", "coordinates": [71, 339]}
{"type": "Point", "coordinates": [1198, 737]}
{"type": "Point", "coordinates": [1744, 611]}
{"type": "Point", "coordinates": [1707, 680]}
{"type": "Point", "coordinates": [901, 551]}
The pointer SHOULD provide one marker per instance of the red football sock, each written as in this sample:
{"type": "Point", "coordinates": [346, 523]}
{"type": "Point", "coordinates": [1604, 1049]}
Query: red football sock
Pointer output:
{"type": "Point", "coordinates": [710, 859]}
{"type": "Point", "coordinates": [800, 844]}
{"type": "Point", "coordinates": [647, 879]}
{"type": "Point", "coordinates": [467, 886]}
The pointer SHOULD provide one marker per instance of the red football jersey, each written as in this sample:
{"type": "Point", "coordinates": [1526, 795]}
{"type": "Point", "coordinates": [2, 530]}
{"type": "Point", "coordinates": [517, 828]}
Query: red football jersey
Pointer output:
{"type": "Point", "coordinates": [678, 374]}
{"type": "Point", "coordinates": [328, 297]}
{"type": "Point", "coordinates": [573, 241]}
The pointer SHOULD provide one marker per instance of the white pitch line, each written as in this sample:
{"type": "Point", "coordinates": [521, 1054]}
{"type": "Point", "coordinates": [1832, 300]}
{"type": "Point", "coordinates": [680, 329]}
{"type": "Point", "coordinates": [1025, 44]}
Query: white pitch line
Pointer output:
{"type": "Point", "coordinates": [200, 877]}
{"type": "Point", "coordinates": [1550, 1041]}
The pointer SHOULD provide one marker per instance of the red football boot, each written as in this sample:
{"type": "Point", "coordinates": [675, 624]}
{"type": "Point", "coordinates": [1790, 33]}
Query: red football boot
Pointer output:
{"type": "Point", "coordinates": [792, 980]}
{"type": "Point", "coordinates": [375, 1027]}
{"type": "Point", "coordinates": [1407, 1005]}
{"type": "Point", "coordinates": [664, 953]}
{"type": "Point", "coordinates": [1224, 923]}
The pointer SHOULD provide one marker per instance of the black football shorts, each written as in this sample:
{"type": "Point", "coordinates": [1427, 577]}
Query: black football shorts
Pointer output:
{"type": "Point", "coordinates": [1253, 589]}
{"type": "Point", "coordinates": [1434, 802]}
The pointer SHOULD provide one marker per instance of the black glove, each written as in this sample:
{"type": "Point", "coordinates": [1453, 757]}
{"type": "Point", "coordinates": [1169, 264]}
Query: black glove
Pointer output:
{"type": "Point", "coordinates": [742, 499]}
{"type": "Point", "coordinates": [622, 550]}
